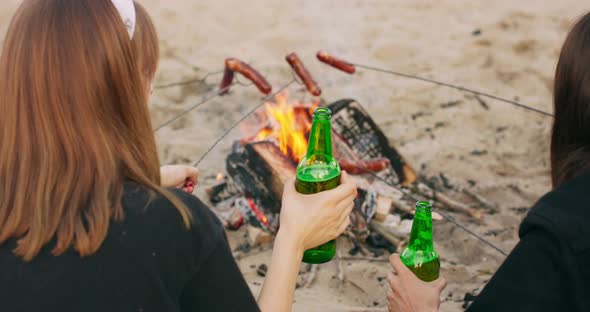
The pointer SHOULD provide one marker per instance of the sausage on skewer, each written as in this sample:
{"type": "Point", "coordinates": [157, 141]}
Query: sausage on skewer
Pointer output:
{"type": "Point", "coordinates": [304, 74]}
{"type": "Point", "coordinates": [356, 167]}
{"type": "Point", "coordinates": [234, 65]}
{"type": "Point", "coordinates": [335, 62]}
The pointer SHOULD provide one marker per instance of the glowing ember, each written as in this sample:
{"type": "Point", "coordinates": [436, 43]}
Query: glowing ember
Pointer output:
{"type": "Point", "coordinates": [288, 122]}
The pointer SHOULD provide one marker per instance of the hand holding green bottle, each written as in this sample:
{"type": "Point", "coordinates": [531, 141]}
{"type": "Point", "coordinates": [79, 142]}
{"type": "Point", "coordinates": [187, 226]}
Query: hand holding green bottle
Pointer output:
{"type": "Point", "coordinates": [416, 285]}
{"type": "Point", "coordinates": [420, 256]}
{"type": "Point", "coordinates": [314, 219]}
{"type": "Point", "coordinates": [317, 172]}
{"type": "Point", "coordinates": [409, 293]}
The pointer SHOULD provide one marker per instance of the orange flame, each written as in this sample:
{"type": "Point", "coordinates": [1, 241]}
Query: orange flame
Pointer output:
{"type": "Point", "coordinates": [289, 125]}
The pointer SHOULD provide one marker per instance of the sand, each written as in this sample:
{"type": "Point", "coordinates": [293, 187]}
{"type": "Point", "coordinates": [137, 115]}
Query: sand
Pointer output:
{"type": "Point", "coordinates": [508, 48]}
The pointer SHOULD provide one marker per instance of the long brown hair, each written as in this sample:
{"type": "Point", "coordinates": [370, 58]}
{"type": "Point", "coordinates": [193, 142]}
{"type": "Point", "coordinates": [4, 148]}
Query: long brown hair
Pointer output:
{"type": "Point", "coordinates": [570, 140]}
{"type": "Point", "coordinates": [74, 123]}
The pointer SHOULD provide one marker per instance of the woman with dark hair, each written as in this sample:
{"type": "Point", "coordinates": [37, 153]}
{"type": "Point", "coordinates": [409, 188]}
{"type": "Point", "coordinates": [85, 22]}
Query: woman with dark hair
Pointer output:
{"type": "Point", "coordinates": [549, 269]}
{"type": "Point", "coordinates": [88, 219]}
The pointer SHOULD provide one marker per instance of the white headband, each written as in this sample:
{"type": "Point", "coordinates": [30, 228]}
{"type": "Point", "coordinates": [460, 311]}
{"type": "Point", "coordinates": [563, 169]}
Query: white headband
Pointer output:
{"type": "Point", "coordinates": [126, 9]}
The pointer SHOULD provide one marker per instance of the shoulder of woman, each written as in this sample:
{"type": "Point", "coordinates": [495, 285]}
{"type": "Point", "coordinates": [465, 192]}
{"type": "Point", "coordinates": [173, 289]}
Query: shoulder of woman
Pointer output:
{"type": "Point", "coordinates": [564, 213]}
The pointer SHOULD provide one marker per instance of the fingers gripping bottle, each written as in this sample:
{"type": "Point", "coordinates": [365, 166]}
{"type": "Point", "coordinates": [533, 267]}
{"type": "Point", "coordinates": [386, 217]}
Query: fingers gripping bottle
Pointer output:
{"type": "Point", "coordinates": [420, 256]}
{"type": "Point", "coordinates": [319, 171]}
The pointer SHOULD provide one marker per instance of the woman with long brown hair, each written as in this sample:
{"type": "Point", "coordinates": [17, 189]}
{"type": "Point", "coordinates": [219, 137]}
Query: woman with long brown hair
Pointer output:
{"type": "Point", "coordinates": [88, 219]}
{"type": "Point", "coordinates": [549, 269]}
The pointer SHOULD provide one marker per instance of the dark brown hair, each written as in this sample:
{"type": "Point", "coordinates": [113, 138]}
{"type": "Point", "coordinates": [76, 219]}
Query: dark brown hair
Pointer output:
{"type": "Point", "coordinates": [570, 140]}
{"type": "Point", "coordinates": [74, 123]}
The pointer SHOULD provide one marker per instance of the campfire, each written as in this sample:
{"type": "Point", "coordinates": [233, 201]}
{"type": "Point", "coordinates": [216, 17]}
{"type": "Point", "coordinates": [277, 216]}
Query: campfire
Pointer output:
{"type": "Point", "coordinates": [273, 142]}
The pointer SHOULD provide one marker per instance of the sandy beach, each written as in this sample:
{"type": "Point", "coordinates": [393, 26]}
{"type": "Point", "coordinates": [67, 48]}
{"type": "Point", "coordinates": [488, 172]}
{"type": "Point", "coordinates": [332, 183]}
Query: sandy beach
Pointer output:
{"type": "Point", "coordinates": [506, 48]}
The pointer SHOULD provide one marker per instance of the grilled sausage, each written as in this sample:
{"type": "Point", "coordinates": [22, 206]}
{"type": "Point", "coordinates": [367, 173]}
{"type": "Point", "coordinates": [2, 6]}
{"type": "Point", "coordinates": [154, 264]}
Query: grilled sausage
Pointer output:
{"type": "Point", "coordinates": [335, 62]}
{"type": "Point", "coordinates": [304, 74]}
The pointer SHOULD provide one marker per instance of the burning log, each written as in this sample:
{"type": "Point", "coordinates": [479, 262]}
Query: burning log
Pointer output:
{"type": "Point", "coordinates": [252, 185]}
{"type": "Point", "coordinates": [269, 163]}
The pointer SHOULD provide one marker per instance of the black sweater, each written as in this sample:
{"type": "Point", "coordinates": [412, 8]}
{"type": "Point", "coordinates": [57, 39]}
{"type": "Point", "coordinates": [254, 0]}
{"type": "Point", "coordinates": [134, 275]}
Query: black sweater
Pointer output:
{"type": "Point", "coordinates": [148, 262]}
{"type": "Point", "coordinates": [549, 269]}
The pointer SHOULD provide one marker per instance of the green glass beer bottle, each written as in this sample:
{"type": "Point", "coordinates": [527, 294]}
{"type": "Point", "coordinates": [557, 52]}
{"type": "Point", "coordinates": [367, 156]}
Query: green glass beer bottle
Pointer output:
{"type": "Point", "coordinates": [319, 171]}
{"type": "Point", "coordinates": [420, 256]}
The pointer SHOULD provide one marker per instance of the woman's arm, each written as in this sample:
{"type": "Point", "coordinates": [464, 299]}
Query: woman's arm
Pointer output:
{"type": "Point", "coordinates": [279, 285]}
{"type": "Point", "coordinates": [306, 221]}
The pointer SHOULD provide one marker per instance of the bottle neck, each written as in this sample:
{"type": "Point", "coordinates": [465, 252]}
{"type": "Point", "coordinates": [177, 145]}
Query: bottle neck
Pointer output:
{"type": "Point", "coordinates": [421, 236]}
{"type": "Point", "coordinates": [320, 136]}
